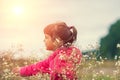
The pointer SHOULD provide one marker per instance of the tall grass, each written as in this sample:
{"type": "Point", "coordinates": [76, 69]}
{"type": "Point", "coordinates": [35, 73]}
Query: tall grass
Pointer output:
{"type": "Point", "coordinates": [89, 69]}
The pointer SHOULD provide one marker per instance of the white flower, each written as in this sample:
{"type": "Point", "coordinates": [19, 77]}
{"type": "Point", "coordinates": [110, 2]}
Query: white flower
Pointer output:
{"type": "Point", "coordinates": [6, 70]}
{"type": "Point", "coordinates": [23, 79]}
{"type": "Point", "coordinates": [115, 57]}
{"type": "Point", "coordinates": [118, 45]}
{"type": "Point", "coordinates": [102, 72]}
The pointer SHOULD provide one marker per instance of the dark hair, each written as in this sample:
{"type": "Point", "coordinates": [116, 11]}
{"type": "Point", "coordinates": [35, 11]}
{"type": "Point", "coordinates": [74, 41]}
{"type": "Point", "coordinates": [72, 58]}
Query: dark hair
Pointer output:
{"type": "Point", "coordinates": [62, 31]}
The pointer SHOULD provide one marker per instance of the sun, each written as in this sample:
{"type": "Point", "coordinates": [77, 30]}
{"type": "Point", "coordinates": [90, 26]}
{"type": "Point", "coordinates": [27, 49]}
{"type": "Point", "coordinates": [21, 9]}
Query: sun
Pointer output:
{"type": "Point", "coordinates": [18, 10]}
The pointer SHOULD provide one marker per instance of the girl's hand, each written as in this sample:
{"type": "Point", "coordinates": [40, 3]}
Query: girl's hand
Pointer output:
{"type": "Point", "coordinates": [16, 71]}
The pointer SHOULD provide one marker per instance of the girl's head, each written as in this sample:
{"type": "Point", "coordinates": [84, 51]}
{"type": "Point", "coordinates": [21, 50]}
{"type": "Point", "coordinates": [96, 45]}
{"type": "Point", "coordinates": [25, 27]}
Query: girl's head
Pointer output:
{"type": "Point", "coordinates": [59, 34]}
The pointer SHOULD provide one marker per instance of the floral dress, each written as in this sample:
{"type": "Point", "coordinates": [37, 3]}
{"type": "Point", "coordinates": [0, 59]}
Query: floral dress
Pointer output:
{"type": "Point", "coordinates": [61, 64]}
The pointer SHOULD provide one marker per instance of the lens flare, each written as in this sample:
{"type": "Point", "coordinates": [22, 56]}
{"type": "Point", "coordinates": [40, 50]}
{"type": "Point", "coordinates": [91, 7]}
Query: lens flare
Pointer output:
{"type": "Point", "coordinates": [18, 10]}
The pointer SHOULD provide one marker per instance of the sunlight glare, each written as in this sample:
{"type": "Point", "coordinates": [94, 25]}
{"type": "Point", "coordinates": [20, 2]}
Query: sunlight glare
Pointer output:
{"type": "Point", "coordinates": [18, 10]}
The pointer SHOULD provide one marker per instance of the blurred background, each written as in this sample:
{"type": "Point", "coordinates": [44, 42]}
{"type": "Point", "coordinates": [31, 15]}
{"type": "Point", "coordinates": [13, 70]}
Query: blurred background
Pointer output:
{"type": "Point", "coordinates": [97, 22]}
{"type": "Point", "coordinates": [22, 23]}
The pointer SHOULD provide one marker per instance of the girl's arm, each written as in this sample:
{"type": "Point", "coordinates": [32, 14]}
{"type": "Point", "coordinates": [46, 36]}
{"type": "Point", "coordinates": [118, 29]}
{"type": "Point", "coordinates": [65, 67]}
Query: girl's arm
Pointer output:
{"type": "Point", "coordinates": [33, 69]}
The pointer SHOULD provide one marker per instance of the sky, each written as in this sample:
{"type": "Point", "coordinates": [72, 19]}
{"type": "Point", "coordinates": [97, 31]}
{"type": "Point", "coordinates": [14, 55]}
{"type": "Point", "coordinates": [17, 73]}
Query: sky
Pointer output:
{"type": "Point", "coordinates": [23, 21]}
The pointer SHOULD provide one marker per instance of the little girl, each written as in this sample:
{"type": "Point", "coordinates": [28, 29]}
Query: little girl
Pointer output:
{"type": "Point", "coordinates": [62, 63]}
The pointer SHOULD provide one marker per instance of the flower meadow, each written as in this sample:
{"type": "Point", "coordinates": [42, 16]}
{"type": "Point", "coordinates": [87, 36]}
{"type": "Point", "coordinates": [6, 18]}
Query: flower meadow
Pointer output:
{"type": "Point", "coordinates": [89, 69]}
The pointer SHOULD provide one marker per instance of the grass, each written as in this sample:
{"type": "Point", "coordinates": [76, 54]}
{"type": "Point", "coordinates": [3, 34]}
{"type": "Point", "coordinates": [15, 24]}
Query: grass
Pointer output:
{"type": "Point", "coordinates": [89, 69]}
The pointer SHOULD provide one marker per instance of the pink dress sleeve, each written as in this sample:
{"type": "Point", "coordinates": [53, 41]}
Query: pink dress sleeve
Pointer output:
{"type": "Point", "coordinates": [33, 69]}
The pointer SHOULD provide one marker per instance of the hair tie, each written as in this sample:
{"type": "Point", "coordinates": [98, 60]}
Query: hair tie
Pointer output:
{"type": "Point", "coordinates": [71, 28]}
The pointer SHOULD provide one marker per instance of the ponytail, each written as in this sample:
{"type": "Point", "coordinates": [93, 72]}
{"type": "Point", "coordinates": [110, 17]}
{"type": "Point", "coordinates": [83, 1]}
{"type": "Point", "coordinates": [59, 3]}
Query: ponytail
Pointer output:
{"type": "Point", "coordinates": [72, 37]}
{"type": "Point", "coordinates": [74, 32]}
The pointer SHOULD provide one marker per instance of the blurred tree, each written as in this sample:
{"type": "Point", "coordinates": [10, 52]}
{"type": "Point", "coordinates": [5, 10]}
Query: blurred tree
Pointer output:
{"type": "Point", "coordinates": [108, 44]}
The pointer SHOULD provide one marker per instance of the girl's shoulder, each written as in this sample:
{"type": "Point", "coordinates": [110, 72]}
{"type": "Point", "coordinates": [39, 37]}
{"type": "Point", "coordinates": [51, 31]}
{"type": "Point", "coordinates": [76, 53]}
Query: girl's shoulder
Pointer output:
{"type": "Point", "coordinates": [70, 53]}
{"type": "Point", "coordinates": [71, 49]}
{"type": "Point", "coordinates": [75, 50]}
